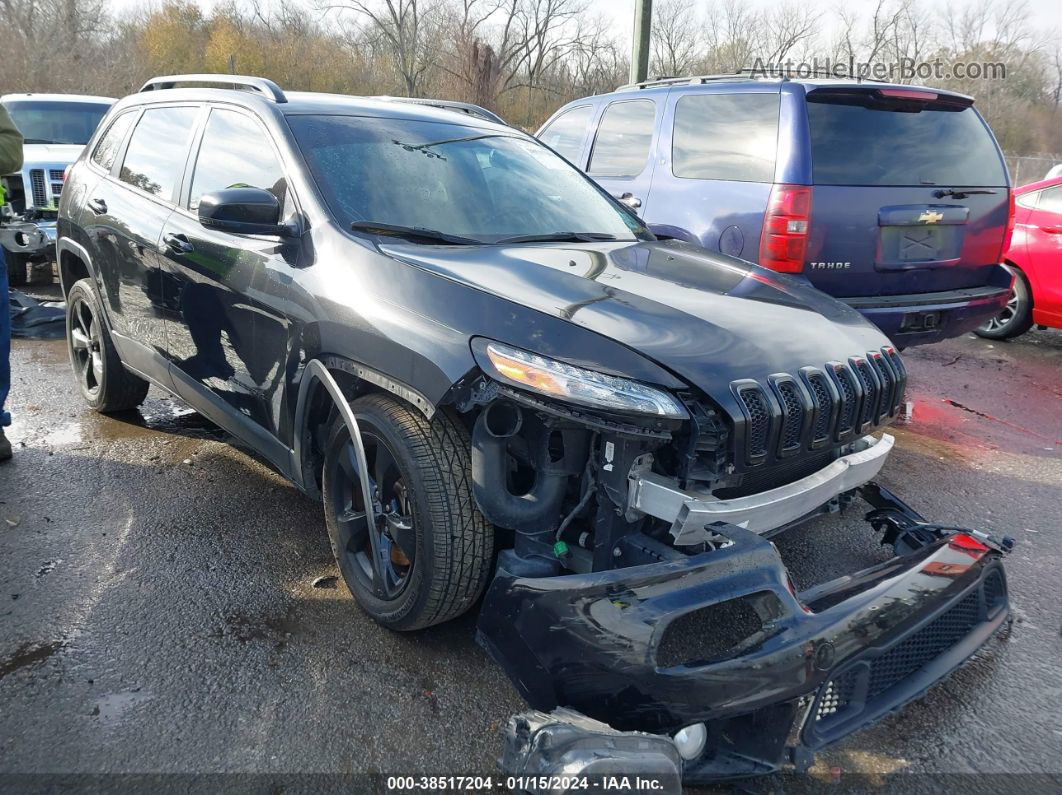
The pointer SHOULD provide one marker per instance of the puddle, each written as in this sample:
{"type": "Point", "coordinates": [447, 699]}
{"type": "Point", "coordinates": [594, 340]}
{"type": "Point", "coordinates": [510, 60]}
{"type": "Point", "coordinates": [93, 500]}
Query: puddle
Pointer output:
{"type": "Point", "coordinates": [64, 435]}
{"type": "Point", "coordinates": [111, 708]}
{"type": "Point", "coordinates": [28, 654]}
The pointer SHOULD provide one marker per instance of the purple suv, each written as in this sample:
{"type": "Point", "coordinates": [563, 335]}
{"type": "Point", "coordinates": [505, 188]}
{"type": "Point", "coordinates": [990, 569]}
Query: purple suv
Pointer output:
{"type": "Point", "coordinates": [892, 198]}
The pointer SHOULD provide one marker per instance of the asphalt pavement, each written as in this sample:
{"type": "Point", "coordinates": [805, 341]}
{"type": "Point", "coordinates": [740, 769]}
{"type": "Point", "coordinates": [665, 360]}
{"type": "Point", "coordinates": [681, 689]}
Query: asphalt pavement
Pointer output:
{"type": "Point", "coordinates": [159, 613]}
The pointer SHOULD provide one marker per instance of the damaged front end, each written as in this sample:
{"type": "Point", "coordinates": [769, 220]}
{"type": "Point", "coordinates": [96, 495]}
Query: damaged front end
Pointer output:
{"type": "Point", "coordinates": [640, 595]}
{"type": "Point", "coordinates": [722, 640]}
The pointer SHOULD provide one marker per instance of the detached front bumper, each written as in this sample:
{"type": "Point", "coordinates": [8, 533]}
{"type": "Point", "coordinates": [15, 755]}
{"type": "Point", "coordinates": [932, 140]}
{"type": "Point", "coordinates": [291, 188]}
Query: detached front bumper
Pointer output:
{"type": "Point", "coordinates": [721, 638]}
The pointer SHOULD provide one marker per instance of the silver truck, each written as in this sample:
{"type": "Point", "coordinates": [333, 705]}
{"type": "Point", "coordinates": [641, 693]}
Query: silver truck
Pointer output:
{"type": "Point", "coordinates": [56, 128]}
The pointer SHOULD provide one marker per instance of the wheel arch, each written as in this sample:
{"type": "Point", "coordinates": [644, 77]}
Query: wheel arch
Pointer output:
{"type": "Point", "coordinates": [327, 385]}
{"type": "Point", "coordinates": [75, 264]}
{"type": "Point", "coordinates": [1020, 273]}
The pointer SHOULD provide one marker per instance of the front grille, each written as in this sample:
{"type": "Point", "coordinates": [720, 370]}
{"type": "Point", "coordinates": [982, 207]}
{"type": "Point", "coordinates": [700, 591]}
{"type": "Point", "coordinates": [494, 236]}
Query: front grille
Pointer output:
{"type": "Point", "coordinates": [868, 412]}
{"type": "Point", "coordinates": [849, 401]}
{"type": "Point", "coordinates": [843, 400]}
{"type": "Point", "coordinates": [758, 421]}
{"type": "Point", "coordinates": [824, 405]}
{"type": "Point", "coordinates": [55, 174]}
{"type": "Point", "coordinates": [792, 416]}
{"type": "Point", "coordinates": [37, 189]}
{"type": "Point", "coordinates": [865, 684]}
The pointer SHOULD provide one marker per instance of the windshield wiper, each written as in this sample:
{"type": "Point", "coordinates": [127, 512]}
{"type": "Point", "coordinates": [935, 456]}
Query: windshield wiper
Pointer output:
{"type": "Point", "coordinates": [413, 233]}
{"type": "Point", "coordinates": [558, 237]}
{"type": "Point", "coordinates": [38, 141]}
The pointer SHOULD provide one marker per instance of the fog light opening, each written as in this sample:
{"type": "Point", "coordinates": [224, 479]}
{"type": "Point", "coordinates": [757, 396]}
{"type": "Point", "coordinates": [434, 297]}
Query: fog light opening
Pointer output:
{"type": "Point", "coordinates": [690, 741]}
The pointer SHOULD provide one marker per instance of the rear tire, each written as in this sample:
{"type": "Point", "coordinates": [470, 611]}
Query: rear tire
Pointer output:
{"type": "Point", "coordinates": [104, 382]}
{"type": "Point", "coordinates": [1015, 319]}
{"type": "Point", "coordinates": [434, 546]}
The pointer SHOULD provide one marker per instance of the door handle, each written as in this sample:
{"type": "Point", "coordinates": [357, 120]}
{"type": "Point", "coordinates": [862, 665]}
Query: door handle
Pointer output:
{"type": "Point", "coordinates": [1052, 230]}
{"type": "Point", "coordinates": [630, 200]}
{"type": "Point", "coordinates": [98, 206]}
{"type": "Point", "coordinates": [177, 243]}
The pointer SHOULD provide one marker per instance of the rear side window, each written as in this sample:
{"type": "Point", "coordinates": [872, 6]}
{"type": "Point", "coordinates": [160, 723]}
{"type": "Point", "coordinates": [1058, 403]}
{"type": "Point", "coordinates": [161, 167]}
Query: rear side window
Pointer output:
{"type": "Point", "coordinates": [621, 147]}
{"type": "Point", "coordinates": [852, 144]}
{"type": "Point", "coordinates": [1051, 199]}
{"type": "Point", "coordinates": [726, 136]}
{"type": "Point", "coordinates": [107, 148]}
{"type": "Point", "coordinates": [565, 133]}
{"type": "Point", "coordinates": [223, 161]}
{"type": "Point", "coordinates": [156, 152]}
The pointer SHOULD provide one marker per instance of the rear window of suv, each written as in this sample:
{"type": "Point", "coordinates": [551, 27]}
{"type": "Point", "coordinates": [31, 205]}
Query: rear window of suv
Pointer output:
{"type": "Point", "coordinates": [858, 145]}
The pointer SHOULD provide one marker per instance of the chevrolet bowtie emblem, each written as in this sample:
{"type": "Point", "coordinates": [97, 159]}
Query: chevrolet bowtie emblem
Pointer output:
{"type": "Point", "coordinates": [931, 217]}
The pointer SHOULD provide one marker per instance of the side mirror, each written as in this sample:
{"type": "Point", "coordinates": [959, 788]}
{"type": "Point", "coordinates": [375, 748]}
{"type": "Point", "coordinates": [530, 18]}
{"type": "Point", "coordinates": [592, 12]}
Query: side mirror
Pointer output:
{"type": "Point", "coordinates": [245, 211]}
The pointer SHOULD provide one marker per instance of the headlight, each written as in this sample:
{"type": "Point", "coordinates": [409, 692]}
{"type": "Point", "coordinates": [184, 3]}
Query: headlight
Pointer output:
{"type": "Point", "coordinates": [576, 385]}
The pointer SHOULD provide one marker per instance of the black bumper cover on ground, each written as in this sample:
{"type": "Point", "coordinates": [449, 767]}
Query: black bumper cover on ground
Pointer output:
{"type": "Point", "coordinates": [721, 638]}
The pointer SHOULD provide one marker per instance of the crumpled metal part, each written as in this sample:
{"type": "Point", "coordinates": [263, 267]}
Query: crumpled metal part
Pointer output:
{"type": "Point", "coordinates": [545, 750]}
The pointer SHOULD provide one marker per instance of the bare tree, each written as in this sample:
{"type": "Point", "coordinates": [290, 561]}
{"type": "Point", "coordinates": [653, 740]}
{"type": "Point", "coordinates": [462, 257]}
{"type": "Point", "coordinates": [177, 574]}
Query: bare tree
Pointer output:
{"type": "Point", "coordinates": [405, 26]}
{"type": "Point", "coordinates": [675, 38]}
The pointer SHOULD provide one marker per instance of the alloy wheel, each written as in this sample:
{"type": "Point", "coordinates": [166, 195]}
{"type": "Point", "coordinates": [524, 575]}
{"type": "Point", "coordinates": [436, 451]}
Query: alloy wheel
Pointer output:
{"type": "Point", "coordinates": [85, 347]}
{"type": "Point", "coordinates": [379, 546]}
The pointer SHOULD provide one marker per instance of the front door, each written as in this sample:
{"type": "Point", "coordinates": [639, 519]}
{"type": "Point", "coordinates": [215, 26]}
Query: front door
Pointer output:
{"type": "Point", "coordinates": [621, 156]}
{"type": "Point", "coordinates": [213, 281]}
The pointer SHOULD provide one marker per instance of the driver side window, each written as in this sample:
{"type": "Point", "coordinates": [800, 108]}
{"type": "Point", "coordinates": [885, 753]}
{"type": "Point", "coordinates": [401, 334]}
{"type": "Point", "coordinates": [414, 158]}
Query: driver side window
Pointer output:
{"type": "Point", "coordinates": [236, 152]}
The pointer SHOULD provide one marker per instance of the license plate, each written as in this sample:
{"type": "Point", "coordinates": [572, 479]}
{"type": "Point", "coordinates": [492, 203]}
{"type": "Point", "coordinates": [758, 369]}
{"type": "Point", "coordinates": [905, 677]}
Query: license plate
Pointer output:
{"type": "Point", "coordinates": [920, 244]}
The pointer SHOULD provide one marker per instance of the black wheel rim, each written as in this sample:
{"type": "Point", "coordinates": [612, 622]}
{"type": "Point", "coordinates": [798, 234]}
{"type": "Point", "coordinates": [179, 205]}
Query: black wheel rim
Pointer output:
{"type": "Point", "coordinates": [85, 350]}
{"type": "Point", "coordinates": [383, 561]}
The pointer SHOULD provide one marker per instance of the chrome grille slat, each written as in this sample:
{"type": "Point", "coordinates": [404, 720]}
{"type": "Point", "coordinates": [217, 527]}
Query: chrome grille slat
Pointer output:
{"type": "Point", "coordinates": [40, 195]}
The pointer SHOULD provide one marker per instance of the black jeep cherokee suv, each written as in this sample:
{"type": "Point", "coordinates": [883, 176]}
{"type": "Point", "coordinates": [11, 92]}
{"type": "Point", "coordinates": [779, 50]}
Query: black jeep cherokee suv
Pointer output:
{"type": "Point", "coordinates": [498, 382]}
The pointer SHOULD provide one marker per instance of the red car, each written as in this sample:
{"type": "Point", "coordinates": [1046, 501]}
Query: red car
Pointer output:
{"type": "Point", "coordinates": [1035, 254]}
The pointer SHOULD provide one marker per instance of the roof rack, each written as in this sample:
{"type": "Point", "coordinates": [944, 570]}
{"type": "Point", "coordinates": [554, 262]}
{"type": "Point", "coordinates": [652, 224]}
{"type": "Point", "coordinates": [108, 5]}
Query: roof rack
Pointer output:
{"type": "Point", "coordinates": [742, 74]}
{"type": "Point", "coordinates": [450, 104]}
{"type": "Point", "coordinates": [261, 85]}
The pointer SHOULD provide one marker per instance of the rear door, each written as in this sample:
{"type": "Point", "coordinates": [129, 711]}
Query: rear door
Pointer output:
{"type": "Point", "coordinates": [910, 192]}
{"type": "Point", "coordinates": [716, 165]}
{"type": "Point", "coordinates": [621, 158]}
{"type": "Point", "coordinates": [125, 220]}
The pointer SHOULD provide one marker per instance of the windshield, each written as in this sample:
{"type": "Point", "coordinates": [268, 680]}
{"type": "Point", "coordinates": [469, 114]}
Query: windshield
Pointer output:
{"type": "Point", "coordinates": [56, 122]}
{"type": "Point", "coordinates": [461, 181]}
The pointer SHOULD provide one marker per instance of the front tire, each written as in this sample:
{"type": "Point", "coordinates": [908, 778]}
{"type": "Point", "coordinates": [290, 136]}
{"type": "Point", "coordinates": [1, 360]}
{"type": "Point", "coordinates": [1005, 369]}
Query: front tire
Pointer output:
{"type": "Point", "coordinates": [1016, 317]}
{"type": "Point", "coordinates": [101, 377]}
{"type": "Point", "coordinates": [429, 553]}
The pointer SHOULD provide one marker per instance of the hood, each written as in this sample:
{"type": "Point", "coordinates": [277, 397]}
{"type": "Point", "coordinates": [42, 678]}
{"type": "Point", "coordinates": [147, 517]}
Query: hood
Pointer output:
{"type": "Point", "coordinates": [709, 318]}
{"type": "Point", "coordinates": [50, 154]}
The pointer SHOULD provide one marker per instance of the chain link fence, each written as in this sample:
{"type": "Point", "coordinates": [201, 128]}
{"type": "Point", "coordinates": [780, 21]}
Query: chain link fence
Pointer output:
{"type": "Point", "coordinates": [1030, 168]}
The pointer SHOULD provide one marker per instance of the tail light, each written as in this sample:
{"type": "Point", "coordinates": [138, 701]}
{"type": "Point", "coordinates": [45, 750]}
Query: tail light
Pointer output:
{"type": "Point", "coordinates": [784, 240]}
{"type": "Point", "coordinates": [1009, 233]}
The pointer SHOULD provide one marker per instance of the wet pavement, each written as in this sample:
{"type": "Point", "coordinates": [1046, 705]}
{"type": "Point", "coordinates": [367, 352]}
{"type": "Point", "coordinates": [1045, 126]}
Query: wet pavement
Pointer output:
{"type": "Point", "coordinates": [158, 608]}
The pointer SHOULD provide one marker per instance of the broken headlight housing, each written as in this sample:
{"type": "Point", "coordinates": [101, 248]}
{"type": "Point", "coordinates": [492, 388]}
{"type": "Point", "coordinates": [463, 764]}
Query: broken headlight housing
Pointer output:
{"type": "Point", "coordinates": [577, 385]}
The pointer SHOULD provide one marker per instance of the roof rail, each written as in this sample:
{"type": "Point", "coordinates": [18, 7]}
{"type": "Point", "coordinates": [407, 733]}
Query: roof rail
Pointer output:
{"type": "Point", "coordinates": [745, 74]}
{"type": "Point", "coordinates": [450, 104]}
{"type": "Point", "coordinates": [267, 88]}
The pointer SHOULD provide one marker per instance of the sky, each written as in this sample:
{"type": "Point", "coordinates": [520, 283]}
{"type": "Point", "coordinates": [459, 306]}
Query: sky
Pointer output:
{"type": "Point", "coordinates": [1045, 14]}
